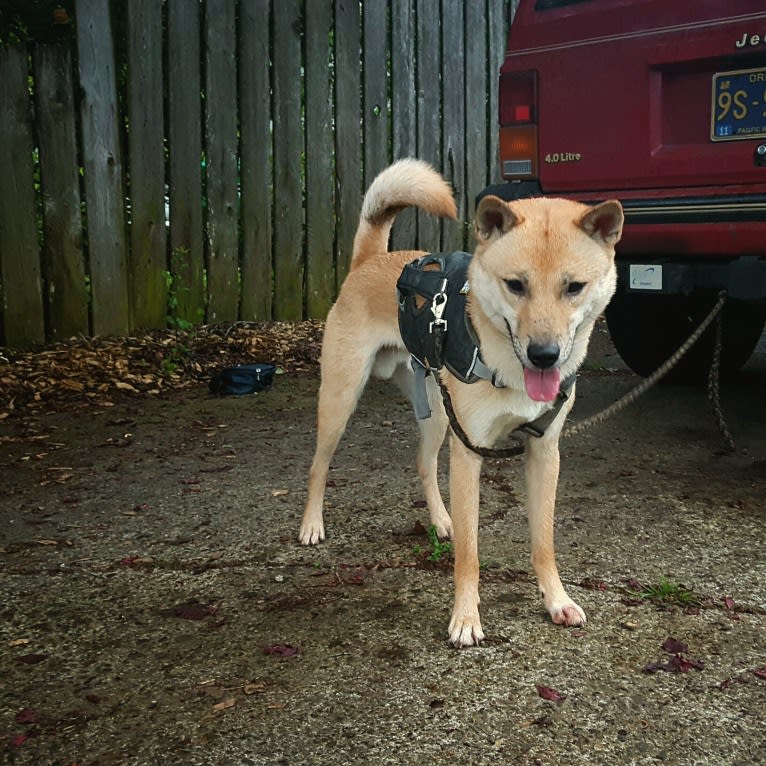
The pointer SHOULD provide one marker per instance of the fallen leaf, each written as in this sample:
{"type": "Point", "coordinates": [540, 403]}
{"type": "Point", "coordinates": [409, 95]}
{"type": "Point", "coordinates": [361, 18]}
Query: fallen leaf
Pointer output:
{"type": "Point", "coordinates": [254, 688]}
{"type": "Point", "coordinates": [760, 672]}
{"type": "Point", "coordinates": [279, 492]}
{"type": "Point", "coordinates": [18, 740]}
{"type": "Point", "coordinates": [122, 386]}
{"type": "Point", "coordinates": [281, 650]}
{"type": "Point", "coordinates": [550, 694]}
{"type": "Point", "coordinates": [672, 646]}
{"type": "Point", "coordinates": [684, 664]}
{"type": "Point", "coordinates": [224, 705]}
{"type": "Point", "coordinates": [31, 659]}
{"type": "Point", "coordinates": [677, 663]}
{"type": "Point", "coordinates": [195, 611]}
{"type": "Point", "coordinates": [27, 716]}
{"type": "Point", "coordinates": [72, 385]}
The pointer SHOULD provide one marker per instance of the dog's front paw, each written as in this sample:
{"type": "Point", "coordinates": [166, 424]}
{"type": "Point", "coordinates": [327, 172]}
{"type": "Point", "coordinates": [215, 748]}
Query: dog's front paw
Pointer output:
{"type": "Point", "coordinates": [311, 533]}
{"type": "Point", "coordinates": [566, 613]}
{"type": "Point", "coordinates": [465, 631]}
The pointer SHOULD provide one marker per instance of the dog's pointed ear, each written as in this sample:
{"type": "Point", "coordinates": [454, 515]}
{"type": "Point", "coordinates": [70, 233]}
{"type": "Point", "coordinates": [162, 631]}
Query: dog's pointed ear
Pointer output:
{"type": "Point", "coordinates": [604, 222]}
{"type": "Point", "coordinates": [493, 217]}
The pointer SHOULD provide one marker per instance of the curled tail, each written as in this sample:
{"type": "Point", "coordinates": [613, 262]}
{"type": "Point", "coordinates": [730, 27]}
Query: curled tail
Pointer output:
{"type": "Point", "coordinates": [406, 183]}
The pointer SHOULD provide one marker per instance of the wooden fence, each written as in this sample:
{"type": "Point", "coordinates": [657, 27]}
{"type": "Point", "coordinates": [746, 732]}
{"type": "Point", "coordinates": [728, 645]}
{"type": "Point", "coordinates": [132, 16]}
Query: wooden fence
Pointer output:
{"type": "Point", "coordinates": [210, 166]}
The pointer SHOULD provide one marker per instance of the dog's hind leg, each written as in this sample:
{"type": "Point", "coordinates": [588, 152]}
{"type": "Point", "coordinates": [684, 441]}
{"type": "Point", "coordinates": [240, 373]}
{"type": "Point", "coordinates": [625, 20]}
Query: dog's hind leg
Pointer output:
{"type": "Point", "coordinates": [432, 431]}
{"type": "Point", "coordinates": [542, 471]}
{"type": "Point", "coordinates": [342, 384]}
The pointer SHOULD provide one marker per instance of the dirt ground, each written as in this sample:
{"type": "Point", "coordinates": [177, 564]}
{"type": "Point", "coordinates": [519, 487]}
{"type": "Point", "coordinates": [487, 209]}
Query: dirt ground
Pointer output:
{"type": "Point", "coordinates": [156, 608]}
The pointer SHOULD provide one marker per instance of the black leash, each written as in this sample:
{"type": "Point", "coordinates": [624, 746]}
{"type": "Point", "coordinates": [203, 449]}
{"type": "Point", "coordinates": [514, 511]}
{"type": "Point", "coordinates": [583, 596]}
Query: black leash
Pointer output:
{"type": "Point", "coordinates": [438, 330]}
{"type": "Point", "coordinates": [463, 436]}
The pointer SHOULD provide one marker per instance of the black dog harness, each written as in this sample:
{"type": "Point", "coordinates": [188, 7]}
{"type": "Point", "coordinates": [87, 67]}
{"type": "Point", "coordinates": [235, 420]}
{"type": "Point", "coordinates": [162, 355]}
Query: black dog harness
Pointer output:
{"type": "Point", "coordinates": [437, 331]}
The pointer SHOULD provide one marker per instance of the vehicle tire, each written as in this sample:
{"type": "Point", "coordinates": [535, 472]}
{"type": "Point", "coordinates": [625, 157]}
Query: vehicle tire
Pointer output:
{"type": "Point", "coordinates": [647, 329]}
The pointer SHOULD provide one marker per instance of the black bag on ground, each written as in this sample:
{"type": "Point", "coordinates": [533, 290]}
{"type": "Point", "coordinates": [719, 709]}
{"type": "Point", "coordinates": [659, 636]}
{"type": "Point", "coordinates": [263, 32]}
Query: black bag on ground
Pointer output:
{"type": "Point", "coordinates": [242, 379]}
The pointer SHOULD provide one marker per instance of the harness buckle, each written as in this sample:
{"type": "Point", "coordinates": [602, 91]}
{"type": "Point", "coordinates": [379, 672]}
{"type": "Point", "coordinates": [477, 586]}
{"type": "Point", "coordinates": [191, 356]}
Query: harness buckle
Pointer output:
{"type": "Point", "coordinates": [438, 305]}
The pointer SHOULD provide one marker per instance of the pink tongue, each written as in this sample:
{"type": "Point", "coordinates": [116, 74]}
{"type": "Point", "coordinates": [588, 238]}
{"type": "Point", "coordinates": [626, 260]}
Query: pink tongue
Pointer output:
{"type": "Point", "coordinates": [542, 385]}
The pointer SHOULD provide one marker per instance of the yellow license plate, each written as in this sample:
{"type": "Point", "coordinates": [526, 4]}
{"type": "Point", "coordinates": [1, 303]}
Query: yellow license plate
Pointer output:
{"type": "Point", "coordinates": [739, 105]}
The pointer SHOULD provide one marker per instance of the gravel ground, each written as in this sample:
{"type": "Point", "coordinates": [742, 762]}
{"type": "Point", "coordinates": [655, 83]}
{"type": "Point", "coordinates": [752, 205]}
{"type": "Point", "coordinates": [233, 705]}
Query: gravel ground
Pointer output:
{"type": "Point", "coordinates": [157, 609]}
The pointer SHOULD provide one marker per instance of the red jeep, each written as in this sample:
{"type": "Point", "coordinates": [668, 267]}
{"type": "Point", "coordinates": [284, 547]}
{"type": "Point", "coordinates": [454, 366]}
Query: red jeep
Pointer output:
{"type": "Point", "coordinates": [661, 105]}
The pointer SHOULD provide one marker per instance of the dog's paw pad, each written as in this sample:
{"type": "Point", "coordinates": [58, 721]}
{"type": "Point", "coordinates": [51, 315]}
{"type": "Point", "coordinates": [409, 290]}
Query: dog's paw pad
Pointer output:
{"type": "Point", "coordinates": [466, 632]}
{"type": "Point", "coordinates": [443, 529]}
{"type": "Point", "coordinates": [311, 535]}
{"type": "Point", "coordinates": [569, 614]}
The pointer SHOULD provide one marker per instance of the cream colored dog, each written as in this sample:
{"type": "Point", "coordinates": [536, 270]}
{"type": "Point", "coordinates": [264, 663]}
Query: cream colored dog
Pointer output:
{"type": "Point", "coordinates": [542, 272]}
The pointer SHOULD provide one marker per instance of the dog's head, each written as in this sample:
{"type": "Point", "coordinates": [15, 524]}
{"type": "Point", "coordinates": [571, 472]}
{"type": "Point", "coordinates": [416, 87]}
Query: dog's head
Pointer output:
{"type": "Point", "coordinates": [543, 271]}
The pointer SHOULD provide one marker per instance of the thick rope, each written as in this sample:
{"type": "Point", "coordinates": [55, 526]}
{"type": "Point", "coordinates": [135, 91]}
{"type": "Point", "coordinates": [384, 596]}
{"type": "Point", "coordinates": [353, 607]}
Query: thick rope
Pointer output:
{"type": "Point", "coordinates": [713, 387]}
{"type": "Point", "coordinates": [646, 384]}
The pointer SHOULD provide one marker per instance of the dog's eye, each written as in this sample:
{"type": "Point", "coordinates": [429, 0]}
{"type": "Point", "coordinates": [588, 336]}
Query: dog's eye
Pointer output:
{"type": "Point", "coordinates": [516, 286]}
{"type": "Point", "coordinates": [575, 288]}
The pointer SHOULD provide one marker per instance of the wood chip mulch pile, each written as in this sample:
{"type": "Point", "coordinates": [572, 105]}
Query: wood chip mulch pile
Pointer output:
{"type": "Point", "coordinates": [106, 369]}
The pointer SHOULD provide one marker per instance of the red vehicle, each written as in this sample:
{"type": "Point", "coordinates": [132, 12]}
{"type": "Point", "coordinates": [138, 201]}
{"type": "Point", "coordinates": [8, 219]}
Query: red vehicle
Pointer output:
{"type": "Point", "coordinates": [661, 105]}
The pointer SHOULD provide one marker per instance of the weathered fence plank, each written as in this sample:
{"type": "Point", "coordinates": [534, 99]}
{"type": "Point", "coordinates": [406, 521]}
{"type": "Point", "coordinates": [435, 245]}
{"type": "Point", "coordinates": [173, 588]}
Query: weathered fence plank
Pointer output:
{"type": "Point", "coordinates": [102, 162]}
{"type": "Point", "coordinates": [19, 251]}
{"type": "Point", "coordinates": [403, 106]}
{"type": "Point", "coordinates": [477, 127]}
{"type": "Point", "coordinates": [429, 87]}
{"type": "Point", "coordinates": [288, 161]}
{"type": "Point", "coordinates": [185, 153]}
{"type": "Point", "coordinates": [500, 13]}
{"type": "Point", "coordinates": [146, 152]}
{"type": "Point", "coordinates": [63, 255]}
{"type": "Point", "coordinates": [278, 114]}
{"type": "Point", "coordinates": [375, 73]}
{"type": "Point", "coordinates": [453, 116]}
{"type": "Point", "coordinates": [348, 151]}
{"type": "Point", "coordinates": [221, 161]}
{"type": "Point", "coordinates": [320, 266]}
{"type": "Point", "coordinates": [255, 157]}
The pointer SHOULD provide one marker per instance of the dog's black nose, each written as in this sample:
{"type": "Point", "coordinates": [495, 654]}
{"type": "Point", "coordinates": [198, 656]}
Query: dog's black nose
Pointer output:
{"type": "Point", "coordinates": [543, 355]}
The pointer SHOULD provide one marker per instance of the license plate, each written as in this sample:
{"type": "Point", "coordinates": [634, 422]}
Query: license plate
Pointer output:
{"type": "Point", "coordinates": [739, 105]}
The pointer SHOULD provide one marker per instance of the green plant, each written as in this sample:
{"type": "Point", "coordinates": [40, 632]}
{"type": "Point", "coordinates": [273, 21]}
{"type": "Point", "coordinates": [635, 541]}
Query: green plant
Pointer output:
{"type": "Point", "coordinates": [667, 593]}
{"type": "Point", "coordinates": [438, 548]}
{"type": "Point", "coordinates": [178, 354]}
{"type": "Point", "coordinates": [178, 261]}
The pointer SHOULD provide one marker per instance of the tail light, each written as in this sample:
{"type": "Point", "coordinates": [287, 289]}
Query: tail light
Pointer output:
{"type": "Point", "coordinates": [518, 125]}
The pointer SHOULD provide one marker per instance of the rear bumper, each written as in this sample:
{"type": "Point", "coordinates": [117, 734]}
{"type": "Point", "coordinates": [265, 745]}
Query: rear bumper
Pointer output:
{"type": "Point", "coordinates": [741, 208]}
{"type": "Point", "coordinates": [665, 224]}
